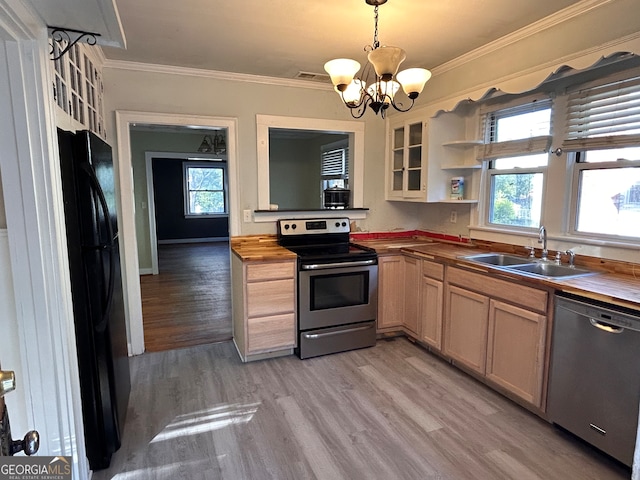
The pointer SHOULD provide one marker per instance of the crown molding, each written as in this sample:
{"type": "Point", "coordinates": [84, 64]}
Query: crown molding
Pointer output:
{"type": "Point", "coordinates": [552, 20]}
{"type": "Point", "coordinates": [579, 60]}
{"type": "Point", "coordinates": [214, 74]}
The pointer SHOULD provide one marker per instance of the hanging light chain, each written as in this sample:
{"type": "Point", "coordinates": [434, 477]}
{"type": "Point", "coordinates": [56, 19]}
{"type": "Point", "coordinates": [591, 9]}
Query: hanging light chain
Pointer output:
{"type": "Point", "coordinates": [376, 43]}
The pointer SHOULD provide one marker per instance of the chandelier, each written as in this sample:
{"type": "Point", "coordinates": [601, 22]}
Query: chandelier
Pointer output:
{"type": "Point", "coordinates": [381, 92]}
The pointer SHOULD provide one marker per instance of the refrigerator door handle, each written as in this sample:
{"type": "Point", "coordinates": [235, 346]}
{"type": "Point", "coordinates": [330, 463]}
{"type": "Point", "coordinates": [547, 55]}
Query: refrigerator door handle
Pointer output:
{"type": "Point", "coordinates": [101, 326]}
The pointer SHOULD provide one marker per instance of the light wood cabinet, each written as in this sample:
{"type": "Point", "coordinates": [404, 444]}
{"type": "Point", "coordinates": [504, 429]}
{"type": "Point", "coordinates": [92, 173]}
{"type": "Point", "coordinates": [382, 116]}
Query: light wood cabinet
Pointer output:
{"type": "Point", "coordinates": [412, 274]}
{"type": "Point", "coordinates": [406, 166]}
{"type": "Point", "coordinates": [431, 303]}
{"type": "Point", "coordinates": [504, 342]}
{"type": "Point", "coordinates": [264, 315]}
{"type": "Point", "coordinates": [466, 325]}
{"type": "Point", "coordinates": [390, 292]}
{"type": "Point", "coordinates": [515, 350]}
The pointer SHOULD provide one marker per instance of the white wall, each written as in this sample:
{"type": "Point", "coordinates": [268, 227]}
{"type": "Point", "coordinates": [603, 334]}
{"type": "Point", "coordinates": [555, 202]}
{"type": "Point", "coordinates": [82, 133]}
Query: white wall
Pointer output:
{"type": "Point", "coordinates": [160, 92]}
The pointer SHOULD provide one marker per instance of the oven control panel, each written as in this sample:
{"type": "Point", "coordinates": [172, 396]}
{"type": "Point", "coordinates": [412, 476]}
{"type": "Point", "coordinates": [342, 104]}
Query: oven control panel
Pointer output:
{"type": "Point", "coordinates": [314, 226]}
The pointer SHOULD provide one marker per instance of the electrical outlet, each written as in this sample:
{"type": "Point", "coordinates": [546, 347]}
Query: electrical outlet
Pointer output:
{"type": "Point", "coordinates": [453, 217]}
{"type": "Point", "coordinates": [247, 215]}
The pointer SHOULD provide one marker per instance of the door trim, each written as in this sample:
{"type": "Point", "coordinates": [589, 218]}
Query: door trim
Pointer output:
{"type": "Point", "coordinates": [36, 235]}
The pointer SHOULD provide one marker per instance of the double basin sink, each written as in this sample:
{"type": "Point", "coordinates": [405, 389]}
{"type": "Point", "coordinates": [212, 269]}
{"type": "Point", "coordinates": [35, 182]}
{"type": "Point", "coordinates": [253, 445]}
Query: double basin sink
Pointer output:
{"type": "Point", "coordinates": [528, 267]}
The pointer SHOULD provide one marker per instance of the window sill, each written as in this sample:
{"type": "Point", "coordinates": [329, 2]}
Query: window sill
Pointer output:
{"type": "Point", "coordinates": [211, 215]}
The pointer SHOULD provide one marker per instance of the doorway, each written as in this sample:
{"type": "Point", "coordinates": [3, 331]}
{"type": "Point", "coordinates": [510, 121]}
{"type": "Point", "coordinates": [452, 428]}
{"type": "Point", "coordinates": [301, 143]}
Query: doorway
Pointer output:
{"type": "Point", "coordinates": [124, 121]}
{"type": "Point", "coordinates": [186, 300]}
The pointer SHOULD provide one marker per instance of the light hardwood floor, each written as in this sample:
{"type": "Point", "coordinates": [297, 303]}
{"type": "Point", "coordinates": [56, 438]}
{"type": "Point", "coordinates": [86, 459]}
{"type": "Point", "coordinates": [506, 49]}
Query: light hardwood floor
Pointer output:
{"type": "Point", "coordinates": [189, 302]}
{"type": "Point", "coordinates": [389, 412]}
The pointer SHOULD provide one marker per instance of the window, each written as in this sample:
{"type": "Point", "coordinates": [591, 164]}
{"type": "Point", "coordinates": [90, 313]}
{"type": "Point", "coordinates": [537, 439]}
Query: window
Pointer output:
{"type": "Point", "coordinates": [334, 169]}
{"type": "Point", "coordinates": [205, 188]}
{"type": "Point", "coordinates": [608, 192]}
{"type": "Point", "coordinates": [516, 141]}
{"type": "Point", "coordinates": [603, 131]}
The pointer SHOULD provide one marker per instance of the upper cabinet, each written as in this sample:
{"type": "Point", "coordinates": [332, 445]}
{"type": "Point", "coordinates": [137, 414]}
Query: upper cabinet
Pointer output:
{"type": "Point", "coordinates": [426, 156]}
{"type": "Point", "coordinates": [406, 174]}
{"type": "Point", "coordinates": [78, 90]}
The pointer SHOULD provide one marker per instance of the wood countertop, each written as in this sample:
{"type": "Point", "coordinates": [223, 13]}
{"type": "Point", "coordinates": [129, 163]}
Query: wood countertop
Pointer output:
{"type": "Point", "coordinates": [259, 248]}
{"type": "Point", "coordinates": [611, 287]}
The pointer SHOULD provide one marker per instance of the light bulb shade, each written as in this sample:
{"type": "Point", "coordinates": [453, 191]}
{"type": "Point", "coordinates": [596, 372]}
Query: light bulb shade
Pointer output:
{"type": "Point", "coordinates": [413, 79]}
{"type": "Point", "coordinates": [383, 91]}
{"type": "Point", "coordinates": [386, 60]}
{"type": "Point", "coordinates": [353, 93]}
{"type": "Point", "coordinates": [341, 70]}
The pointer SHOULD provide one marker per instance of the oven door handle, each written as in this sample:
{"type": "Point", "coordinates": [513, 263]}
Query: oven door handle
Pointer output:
{"type": "Point", "coordinates": [322, 266]}
{"type": "Point", "coordinates": [336, 332]}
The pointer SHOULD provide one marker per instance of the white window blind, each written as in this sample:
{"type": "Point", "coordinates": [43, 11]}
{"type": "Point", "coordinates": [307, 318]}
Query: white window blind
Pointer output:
{"type": "Point", "coordinates": [604, 116]}
{"type": "Point", "coordinates": [334, 163]}
{"type": "Point", "coordinates": [521, 129]}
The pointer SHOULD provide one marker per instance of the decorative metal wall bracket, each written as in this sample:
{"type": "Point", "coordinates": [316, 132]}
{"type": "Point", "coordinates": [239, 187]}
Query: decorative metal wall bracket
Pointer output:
{"type": "Point", "coordinates": [71, 37]}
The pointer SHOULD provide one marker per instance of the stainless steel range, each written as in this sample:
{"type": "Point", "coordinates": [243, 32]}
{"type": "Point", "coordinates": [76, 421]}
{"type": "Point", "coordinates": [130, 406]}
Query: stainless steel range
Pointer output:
{"type": "Point", "coordinates": [337, 286]}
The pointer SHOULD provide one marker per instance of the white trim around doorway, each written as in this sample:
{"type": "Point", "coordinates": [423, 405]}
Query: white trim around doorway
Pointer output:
{"type": "Point", "coordinates": [126, 203]}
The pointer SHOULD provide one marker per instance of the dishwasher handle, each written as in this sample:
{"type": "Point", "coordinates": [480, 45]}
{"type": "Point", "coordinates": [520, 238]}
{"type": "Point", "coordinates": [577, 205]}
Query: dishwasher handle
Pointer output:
{"type": "Point", "coordinates": [606, 327]}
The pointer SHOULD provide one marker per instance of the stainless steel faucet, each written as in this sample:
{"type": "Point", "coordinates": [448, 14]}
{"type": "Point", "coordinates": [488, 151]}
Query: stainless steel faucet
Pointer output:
{"type": "Point", "coordinates": [542, 238]}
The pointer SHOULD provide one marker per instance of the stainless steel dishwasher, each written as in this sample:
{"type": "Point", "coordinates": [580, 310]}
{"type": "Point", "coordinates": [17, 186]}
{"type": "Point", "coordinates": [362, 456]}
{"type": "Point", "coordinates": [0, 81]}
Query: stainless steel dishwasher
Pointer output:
{"type": "Point", "coordinates": [594, 385]}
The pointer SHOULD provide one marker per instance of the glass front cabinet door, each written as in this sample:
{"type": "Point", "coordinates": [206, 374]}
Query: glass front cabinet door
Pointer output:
{"type": "Point", "coordinates": [406, 173]}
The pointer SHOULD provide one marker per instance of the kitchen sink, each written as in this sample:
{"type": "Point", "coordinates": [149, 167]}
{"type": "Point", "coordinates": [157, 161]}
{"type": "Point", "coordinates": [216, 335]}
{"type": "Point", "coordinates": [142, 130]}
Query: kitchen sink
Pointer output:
{"type": "Point", "coordinates": [498, 259]}
{"type": "Point", "coordinates": [551, 270]}
{"type": "Point", "coordinates": [528, 266]}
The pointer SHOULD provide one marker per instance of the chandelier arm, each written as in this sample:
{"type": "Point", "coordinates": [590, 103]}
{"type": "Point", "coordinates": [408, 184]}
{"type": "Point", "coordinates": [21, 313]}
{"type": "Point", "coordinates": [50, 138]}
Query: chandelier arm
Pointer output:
{"type": "Point", "coordinates": [356, 112]}
{"type": "Point", "coordinates": [399, 108]}
{"type": "Point", "coordinates": [351, 105]}
{"type": "Point", "coordinates": [365, 99]}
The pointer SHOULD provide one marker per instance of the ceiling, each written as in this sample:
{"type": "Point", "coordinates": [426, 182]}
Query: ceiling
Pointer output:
{"type": "Point", "coordinates": [281, 38]}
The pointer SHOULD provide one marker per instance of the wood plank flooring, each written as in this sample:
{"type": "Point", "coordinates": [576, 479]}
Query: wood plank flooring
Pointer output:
{"type": "Point", "coordinates": [393, 411]}
{"type": "Point", "coordinates": [189, 302]}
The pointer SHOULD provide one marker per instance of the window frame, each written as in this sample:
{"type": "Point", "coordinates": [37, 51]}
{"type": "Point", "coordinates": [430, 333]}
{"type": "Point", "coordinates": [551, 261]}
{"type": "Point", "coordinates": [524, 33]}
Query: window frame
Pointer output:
{"type": "Point", "coordinates": [330, 147]}
{"type": "Point", "coordinates": [493, 172]}
{"type": "Point", "coordinates": [212, 164]}
{"type": "Point", "coordinates": [527, 146]}
{"type": "Point", "coordinates": [576, 169]}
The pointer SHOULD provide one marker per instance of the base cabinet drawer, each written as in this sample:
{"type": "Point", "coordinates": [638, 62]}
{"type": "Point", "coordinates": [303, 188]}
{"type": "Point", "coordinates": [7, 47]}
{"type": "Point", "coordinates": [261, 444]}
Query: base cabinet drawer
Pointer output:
{"type": "Point", "coordinates": [270, 297]}
{"type": "Point", "coordinates": [270, 333]}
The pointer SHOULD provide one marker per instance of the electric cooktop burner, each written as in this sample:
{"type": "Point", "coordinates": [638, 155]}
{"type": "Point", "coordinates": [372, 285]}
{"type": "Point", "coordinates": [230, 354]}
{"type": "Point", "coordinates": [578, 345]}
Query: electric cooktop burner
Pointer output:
{"type": "Point", "coordinates": [329, 250]}
{"type": "Point", "coordinates": [321, 240]}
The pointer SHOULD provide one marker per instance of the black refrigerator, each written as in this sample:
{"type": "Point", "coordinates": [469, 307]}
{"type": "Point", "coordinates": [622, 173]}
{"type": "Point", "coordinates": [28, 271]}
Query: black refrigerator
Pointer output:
{"type": "Point", "coordinates": [88, 186]}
